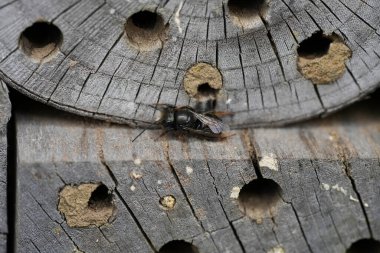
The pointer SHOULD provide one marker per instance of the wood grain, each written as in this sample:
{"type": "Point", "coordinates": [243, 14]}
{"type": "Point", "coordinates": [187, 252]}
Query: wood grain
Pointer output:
{"type": "Point", "coordinates": [97, 74]}
{"type": "Point", "coordinates": [328, 169]}
{"type": "Point", "coordinates": [5, 113]}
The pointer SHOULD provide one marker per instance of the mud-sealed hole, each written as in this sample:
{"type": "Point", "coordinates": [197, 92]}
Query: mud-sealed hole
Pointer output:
{"type": "Point", "coordinates": [84, 205]}
{"type": "Point", "coordinates": [247, 12]}
{"type": "Point", "coordinates": [167, 202]}
{"type": "Point", "coordinates": [146, 30]}
{"type": "Point", "coordinates": [203, 82]}
{"type": "Point", "coordinates": [100, 198]}
{"type": "Point", "coordinates": [322, 58]}
{"type": "Point", "coordinates": [205, 90]}
{"type": "Point", "coordinates": [365, 245]}
{"type": "Point", "coordinates": [41, 41]}
{"type": "Point", "coordinates": [259, 199]}
{"type": "Point", "coordinates": [178, 246]}
{"type": "Point", "coordinates": [317, 45]}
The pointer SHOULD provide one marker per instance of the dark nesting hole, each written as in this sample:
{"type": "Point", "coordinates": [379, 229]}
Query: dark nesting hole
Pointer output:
{"type": "Point", "coordinates": [322, 58]}
{"type": "Point", "coordinates": [205, 90]}
{"type": "Point", "coordinates": [178, 246]}
{"type": "Point", "coordinates": [259, 198]}
{"type": "Point", "coordinates": [247, 8]}
{"type": "Point", "coordinates": [365, 245]}
{"type": "Point", "coordinates": [316, 46]}
{"type": "Point", "coordinates": [146, 30]}
{"type": "Point", "coordinates": [100, 198]}
{"type": "Point", "coordinates": [145, 19]}
{"type": "Point", "coordinates": [203, 81]}
{"type": "Point", "coordinates": [41, 40]}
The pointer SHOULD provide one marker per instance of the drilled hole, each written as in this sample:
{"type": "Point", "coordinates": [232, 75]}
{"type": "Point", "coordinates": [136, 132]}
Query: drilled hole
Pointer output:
{"type": "Point", "coordinates": [100, 198]}
{"type": "Point", "coordinates": [316, 46]}
{"type": "Point", "coordinates": [86, 205]}
{"type": "Point", "coordinates": [146, 30]}
{"type": "Point", "coordinates": [178, 246]}
{"type": "Point", "coordinates": [168, 202]}
{"type": "Point", "coordinates": [259, 198]}
{"type": "Point", "coordinates": [365, 245]}
{"type": "Point", "coordinates": [206, 90]}
{"type": "Point", "coordinates": [246, 12]}
{"type": "Point", "coordinates": [322, 58]}
{"type": "Point", "coordinates": [203, 81]}
{"type": "Point", "coordinates": [41, 41]}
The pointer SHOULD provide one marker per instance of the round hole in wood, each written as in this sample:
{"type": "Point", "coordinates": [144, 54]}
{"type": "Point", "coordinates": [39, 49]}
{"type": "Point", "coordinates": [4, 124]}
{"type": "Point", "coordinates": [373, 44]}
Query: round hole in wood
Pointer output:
{"type": "Point", "coordinates": [178, 246]}
{"type": "Point", "coordinates": [146, 30]}
{"type": "Point", "coordinates": [259, 198]}
{"type": "Point", "coordinates": [365, 245]}
{"type": "Point", "coordinates": [322, 58]}
{"type": "Point", "coordinates": [315, 46]}
{"type": "Point", "coordinates": [203, 81]}
{"type": "Point", "coordinates": [247, 12]}
{"type": "Point", "coordinates": [41, 41]}
{"type": "Point", "coordinates": [167, 202]}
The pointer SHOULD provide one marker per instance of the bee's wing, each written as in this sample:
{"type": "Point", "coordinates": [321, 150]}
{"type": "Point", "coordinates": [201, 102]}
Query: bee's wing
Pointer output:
{"type": "Point", "coordinates": [216, 125]}
{"type": "Point", "coordinates": [202, 132]}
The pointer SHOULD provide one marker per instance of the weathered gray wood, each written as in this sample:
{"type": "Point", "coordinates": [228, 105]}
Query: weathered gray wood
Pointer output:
{"type": "Point", "coordinates": [5, 113]}
{"type": "Point", "coordinates": [97, 74]}
{"type": "Point", "coordinates": [328, 170]}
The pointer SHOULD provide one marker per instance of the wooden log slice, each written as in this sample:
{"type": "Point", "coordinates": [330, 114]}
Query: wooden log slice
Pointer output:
{"type": "Point", "coordinates": [278, 61]}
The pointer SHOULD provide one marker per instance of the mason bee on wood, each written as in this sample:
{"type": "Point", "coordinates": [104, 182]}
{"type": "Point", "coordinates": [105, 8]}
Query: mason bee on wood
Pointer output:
{"type": "Point", "coordinates": [186, 119]}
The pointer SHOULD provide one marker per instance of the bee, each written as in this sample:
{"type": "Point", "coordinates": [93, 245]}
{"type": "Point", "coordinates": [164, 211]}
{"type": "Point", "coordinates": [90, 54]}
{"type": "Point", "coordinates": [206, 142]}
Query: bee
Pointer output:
{"type": "Point", "coordinates": [186, 119]}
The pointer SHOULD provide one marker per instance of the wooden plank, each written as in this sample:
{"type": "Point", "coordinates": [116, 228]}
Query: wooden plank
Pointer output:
{"type": "Point", "coordinates": [5, 113]}
{"type": "Point", "coordinates": [328, 170]}
{"type": "Point", "coordinates": [263, 56]}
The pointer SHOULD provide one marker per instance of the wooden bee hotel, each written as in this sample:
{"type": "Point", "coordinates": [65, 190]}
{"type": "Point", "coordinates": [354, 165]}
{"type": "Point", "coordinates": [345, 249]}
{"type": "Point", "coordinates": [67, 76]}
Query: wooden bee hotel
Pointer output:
{"type": "Point", "coordinates": [190, 126]}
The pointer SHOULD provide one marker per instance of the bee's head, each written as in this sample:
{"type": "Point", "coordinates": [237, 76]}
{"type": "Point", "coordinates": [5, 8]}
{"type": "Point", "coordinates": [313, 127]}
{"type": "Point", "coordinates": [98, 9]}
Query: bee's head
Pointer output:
{"type": "Point", "coordinates": [166, 112]}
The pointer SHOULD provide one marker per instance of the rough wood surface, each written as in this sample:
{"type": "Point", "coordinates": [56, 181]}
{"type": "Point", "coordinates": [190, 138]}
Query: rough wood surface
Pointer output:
{"type": "Point", "coordinates": [98, 74]}
{"type": "Point", "coordinates": [5, 113]}
{"type": "Point", "coordinates": [328, 169]}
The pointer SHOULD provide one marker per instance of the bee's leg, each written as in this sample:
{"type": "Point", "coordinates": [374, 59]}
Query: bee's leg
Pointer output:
{"type": "Point", "coordinates": [138, 135]}
{"type": "Point", "coordinates": [222, 114]}
{"type": "Point", "coordinates": [225, 135]}
{"type": "Point", "coordinates": [162, 134]}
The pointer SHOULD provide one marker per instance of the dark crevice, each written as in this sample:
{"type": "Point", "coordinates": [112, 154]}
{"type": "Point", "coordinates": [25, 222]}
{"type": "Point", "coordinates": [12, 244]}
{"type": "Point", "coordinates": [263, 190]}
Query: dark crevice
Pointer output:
{"type": "Point", "coordinates": [273, 44]}
{"type": "Point", "coordinates": [224, 211]}
{"type": "Point", "coordinates": [11, 178]}
{"type": "Point", "coordinates": [300, 225]}
{"type": "Point", "coordinates": [347, 168]}
{"type": "Point", "coordinates": [252, 153]}
{"type": "Point", "coordinates": [166, 152]}
{"type": "Point", "coordinates": [110, 172]}
{"type": "Point", "coordinates": [116, 191]}
{"type": "Point", "coordinates": [135, 220]}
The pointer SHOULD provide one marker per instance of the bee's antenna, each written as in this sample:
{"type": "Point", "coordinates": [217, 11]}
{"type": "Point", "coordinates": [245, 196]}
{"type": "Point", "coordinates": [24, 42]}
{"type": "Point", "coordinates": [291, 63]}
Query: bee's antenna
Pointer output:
{"type": "Point", "coordinates": [138, 135]}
